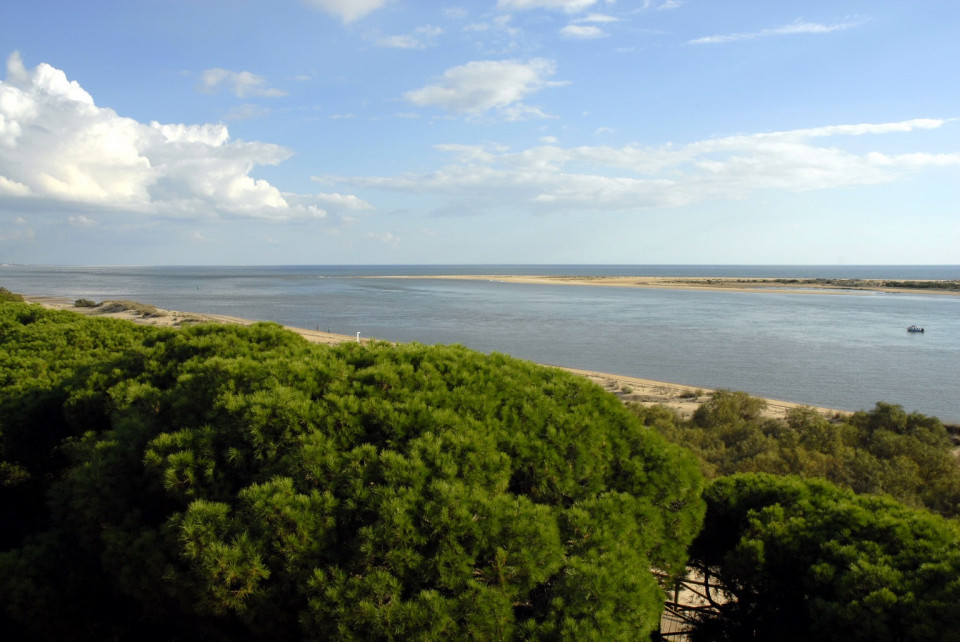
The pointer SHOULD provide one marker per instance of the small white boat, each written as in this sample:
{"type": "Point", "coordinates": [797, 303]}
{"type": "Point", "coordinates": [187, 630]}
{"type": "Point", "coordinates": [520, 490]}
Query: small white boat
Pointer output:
{"type": "Point", "coordinates": [915, 328]}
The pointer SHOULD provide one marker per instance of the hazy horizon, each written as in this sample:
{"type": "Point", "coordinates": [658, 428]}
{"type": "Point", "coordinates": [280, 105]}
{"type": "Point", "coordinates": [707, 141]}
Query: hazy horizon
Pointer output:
{"type": "Point", "coordinates": [508, 264]}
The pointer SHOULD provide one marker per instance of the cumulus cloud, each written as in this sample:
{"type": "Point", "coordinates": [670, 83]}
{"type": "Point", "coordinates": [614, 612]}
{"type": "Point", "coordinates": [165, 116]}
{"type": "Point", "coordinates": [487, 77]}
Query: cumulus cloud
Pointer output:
{"type": "Point", "coordinates": [58, 146]}
{"type": "Point", "coordinates": [633, 177]}
{"type": "Point", "coordinates": [797, 27]}
{"type": "Point", "coordinates": [239, 83]}
{"type": "Point", "coordinates": [346, 10]}
{"type": "Point", "coordinates": [480, 86]}
{"type": "Point", "coordinates": [12, 188]}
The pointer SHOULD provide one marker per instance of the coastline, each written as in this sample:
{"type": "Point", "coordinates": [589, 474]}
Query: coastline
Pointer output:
{"type": "Point", "coordinates": [682, 398]}
{"type": "Point", "coordinates": [727, 284]}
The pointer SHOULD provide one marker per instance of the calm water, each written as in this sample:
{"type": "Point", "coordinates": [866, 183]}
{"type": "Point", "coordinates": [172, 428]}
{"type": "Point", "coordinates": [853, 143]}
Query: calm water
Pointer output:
{"type": "Point", "coordinates": [840, 351]}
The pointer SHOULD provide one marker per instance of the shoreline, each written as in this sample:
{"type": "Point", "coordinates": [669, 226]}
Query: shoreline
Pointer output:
{"type": "Point", "coordinates": [726, 283]}
{"type": "Point", "coordinates": [682, 398]}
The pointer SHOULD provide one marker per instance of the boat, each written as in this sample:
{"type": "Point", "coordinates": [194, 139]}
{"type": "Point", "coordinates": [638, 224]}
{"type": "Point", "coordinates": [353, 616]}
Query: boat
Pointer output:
{"type": "Point", "coordinates": [915, 328]}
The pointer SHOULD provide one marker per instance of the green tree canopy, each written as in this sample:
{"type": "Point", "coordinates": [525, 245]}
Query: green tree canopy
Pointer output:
{"type": "Point", "coordinates": [805, 560]}
{"type": "Point", "coordinates": [886, 450]}
{"type": "Point", "coordinates": [237, 482]}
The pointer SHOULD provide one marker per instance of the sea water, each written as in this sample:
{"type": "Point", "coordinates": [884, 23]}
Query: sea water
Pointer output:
{"type": "Point", "coordinates": [844, 351]}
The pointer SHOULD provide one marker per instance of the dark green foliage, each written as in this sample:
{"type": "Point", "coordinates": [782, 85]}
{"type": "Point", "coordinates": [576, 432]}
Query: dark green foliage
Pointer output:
{"type": "Point", "coordinates": [805, 560]}
{"type": "Point", "coordinates": [224, 482]}
{"type": "Point", "coordinates": [84, 303]}
{"type": "Point", "coordinates": [909, 456]}
{"type": "Point", "coordinates": [924, 285]}
{"type": "Point", "coordinates": [8, 296]}
{"type": "Point", "coordinates": [950, 285]}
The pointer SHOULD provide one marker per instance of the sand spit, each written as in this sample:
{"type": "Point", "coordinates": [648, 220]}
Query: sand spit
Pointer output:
{"type": "Point", "coordinates": [729, 284]}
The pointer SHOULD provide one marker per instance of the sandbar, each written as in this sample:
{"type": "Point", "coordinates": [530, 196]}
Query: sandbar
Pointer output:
{"type": "Point", "coordinates": [729, 284]}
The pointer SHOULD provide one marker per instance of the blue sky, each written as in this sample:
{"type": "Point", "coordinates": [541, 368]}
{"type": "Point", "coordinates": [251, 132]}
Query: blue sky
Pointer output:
{"type": "Point", "coordinates": [234, 132]}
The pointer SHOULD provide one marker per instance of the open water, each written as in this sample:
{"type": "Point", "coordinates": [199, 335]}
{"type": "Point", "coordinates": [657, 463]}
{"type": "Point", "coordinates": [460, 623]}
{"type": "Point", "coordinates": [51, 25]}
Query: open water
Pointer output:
{"type": "Point", "coordinates": [844, 351]}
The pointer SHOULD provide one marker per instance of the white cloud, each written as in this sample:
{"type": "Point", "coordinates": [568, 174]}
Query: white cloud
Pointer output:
{"type": "Point", "coordinates": [582, 32]}
{"type": "Point", "coordinates": [794, 28]}
{"type": "Point", "coordinates": [212, 135]}
{"type": "Point", "coordinates": [342, 202]}
{"type": "Point", "coordinates": [59, 147]}
{"type": "Point", "coordinates": [12, 188]}
{"type": "Point", "coordinates": [388, 238]}
{"type": "Point", "coordinates": [421, 38]}
{"type": "Point", "coordinates": [239, 83]}
{"type": "Point", "coordinates": [347, 10]}
{"type": "Point", "coordinates": [634, 177]}
{"type": "Point", "coordinates": [569, 6]}
{"type": "Point", "coordinates": [82, 221]}
{"type": "Point", "coordinates": [519, 111]}
{"type": "Point", "coordinates": [666, 5]}
{"type": "Point", "coordinates": [597, 17]}
{"type": "Point", "coordinates": [480, 86]}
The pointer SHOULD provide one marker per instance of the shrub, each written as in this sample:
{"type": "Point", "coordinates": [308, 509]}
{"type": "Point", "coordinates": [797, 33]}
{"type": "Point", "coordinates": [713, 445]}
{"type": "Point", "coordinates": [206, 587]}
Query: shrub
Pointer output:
{"type": "Point", "coordinates": [8, 296]}
{"type": "Point", "coordinates": [124, 305]}
{"type": "Point", "coordinates": [886, 450]}
{"type": "Point", "coordinates": [84, 303]}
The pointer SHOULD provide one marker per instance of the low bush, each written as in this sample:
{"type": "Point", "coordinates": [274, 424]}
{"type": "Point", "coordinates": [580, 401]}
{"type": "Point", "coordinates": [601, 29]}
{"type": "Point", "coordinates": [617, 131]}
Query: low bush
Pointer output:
{"type": "Point", "coordinates": [7, 295]}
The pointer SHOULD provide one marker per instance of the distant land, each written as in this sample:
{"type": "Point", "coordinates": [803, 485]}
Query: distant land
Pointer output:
{"type": "Point", "coordinates": [792, 285]}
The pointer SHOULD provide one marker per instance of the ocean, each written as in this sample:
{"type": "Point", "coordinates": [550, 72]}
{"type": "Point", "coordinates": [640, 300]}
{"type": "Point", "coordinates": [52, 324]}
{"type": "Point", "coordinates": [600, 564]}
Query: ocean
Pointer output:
{"type": "Point", "coordinates": [844, 351]}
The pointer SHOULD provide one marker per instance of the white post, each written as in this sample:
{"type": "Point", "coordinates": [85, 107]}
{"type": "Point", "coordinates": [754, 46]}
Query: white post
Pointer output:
{"type": "Point", "coordinates": [358, 337]}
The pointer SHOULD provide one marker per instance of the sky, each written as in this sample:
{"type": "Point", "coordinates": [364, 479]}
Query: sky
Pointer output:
{"type": "Point", "coordinates": [330, 132]}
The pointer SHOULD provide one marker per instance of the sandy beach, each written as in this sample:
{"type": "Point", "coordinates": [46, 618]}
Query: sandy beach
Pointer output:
{"type": "Point", "coordinates": [682, 398]}
{"type": "Point", "coordinates": [728, 284]}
